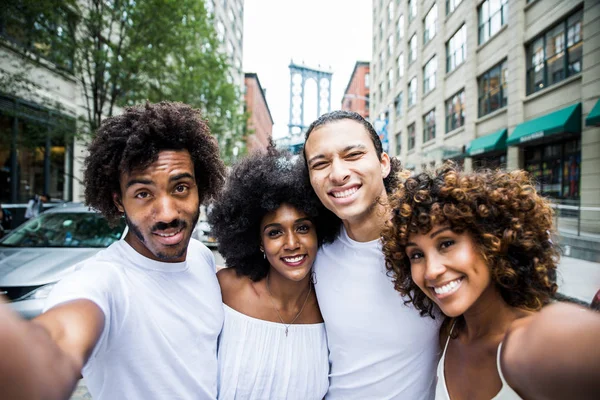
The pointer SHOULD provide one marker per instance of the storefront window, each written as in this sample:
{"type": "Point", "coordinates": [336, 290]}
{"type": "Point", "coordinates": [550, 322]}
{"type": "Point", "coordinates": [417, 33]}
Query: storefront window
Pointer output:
{"type": "Point", "coordinates": [556, 168]}
{"type": "Point", "coordinates": [35, 154]}
{"type": "Point", "coordinates": [490, 162]}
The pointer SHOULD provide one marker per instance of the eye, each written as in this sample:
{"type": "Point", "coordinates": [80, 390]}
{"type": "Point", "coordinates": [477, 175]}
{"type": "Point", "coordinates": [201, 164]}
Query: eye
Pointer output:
{"type": "Point", "coordinates": [354, 155]}
{"type": "Point", "coordinates": [273, 233]}
{"type": "Point", "coordinates": [304, 228]}
{"type": "Point", "coordinates": [319, 165]}
{"type": "Point", "coordinates": [446, 243]}
{"type": "Point", "coordinates": [415, 256]}
{"type": "Point", "coordinates": [142, 195]}
{"type": "Point", "coordinates": [180, 188]}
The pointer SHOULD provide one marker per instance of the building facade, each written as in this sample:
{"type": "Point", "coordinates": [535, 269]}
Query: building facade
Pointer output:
{"type": "Point", "coordinates": [494, 83]}
{"type": "Point", "coordinates": [356, 95]}
{"type": "Point", "coordinates": [228, 18]}
{"type": "Point", "coordinates": [38, 150]}
{"type": "Point", "coordinates": [259, 126]}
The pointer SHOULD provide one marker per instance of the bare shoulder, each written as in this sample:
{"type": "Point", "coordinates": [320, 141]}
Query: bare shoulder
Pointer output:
{"type": "Point", "coordinates": [234, 287]}
{"type": "Point", "coordinates": [552, 352]}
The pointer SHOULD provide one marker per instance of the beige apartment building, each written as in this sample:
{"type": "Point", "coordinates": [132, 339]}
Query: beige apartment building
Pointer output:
{"type": "Point", "coordinates": [494, 83]}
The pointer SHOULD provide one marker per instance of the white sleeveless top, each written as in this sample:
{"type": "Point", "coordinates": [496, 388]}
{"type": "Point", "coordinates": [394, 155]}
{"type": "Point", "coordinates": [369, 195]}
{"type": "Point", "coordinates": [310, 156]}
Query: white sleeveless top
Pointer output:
{"type": "Point", "coordinates": [258, 361]}
{"type": "Point", "coordinates": [441, 390]}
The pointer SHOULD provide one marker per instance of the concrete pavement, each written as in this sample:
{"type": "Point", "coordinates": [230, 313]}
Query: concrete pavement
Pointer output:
{"type": "Point", "coordinates": [578, 278]}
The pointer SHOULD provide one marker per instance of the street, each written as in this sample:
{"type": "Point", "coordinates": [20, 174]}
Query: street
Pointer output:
{"type": "Point", "coordinates": [579, 279]}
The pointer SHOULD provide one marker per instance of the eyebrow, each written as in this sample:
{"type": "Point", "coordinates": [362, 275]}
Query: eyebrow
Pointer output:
{"type": "Point", "coordinates": [344, 150]}
{"type": "Point", "coordinates": [181, 176]}
{"type": "Point", "coordinates": [274, 224]}
{"type": "Point", "coordinates": [434, 234]}
{"type": "Point", "coordinates": [134, 181]}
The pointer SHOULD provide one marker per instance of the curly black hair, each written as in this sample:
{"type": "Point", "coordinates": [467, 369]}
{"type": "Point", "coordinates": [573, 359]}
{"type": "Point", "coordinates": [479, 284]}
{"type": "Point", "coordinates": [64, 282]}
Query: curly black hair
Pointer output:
{"type": "Point", "coordinates": [134, 140]}
{"type": "Point", "coordinates": [257, 185]}
{"type": "Point", "coordinates": [391, 181]}
{"type": "Point", "coordinates": [509, 221]}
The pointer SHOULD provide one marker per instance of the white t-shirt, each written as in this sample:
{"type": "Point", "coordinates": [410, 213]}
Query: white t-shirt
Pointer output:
{"type": "Point", "coordinates": [162, 321]}
{"type": "Point", "coordinates": [379, 348]}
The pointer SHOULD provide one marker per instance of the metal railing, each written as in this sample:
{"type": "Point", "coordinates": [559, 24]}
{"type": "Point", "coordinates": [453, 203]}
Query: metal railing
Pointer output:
{"type": "Point", "coordinates": [572, 218]}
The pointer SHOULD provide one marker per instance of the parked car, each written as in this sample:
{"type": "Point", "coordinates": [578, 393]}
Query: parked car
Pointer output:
{"type": "Point", "coordinates": [37, 254]}
{"type": "Point", "coordinates": [202, 232]}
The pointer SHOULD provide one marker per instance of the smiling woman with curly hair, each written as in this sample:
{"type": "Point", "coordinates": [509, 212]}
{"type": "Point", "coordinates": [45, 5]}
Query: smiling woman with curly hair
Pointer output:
{"type": "Point", "coordinates": [477, 247]}
{"type": "Point", "coordinates": [269, 224]}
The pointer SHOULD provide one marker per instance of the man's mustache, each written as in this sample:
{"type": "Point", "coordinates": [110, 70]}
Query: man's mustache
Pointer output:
{"type": "Point", "coordinates": [176, 223]}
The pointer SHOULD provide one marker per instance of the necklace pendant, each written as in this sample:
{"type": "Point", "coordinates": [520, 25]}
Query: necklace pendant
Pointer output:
{"type": "Point", "coordinates": [286, 331]}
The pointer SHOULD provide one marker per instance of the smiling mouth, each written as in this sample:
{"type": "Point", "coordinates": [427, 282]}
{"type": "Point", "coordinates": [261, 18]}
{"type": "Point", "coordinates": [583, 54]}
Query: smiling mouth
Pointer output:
{"type": "Point", "coordinates": [170, 238]}
{"type": "Point", "coordinates": [294, 260]}
{"type": "Point", "coordinates": [344, 193]}
{"type": "Point", "coordinates": [448, 288]}
{"type": "Point", "coordinates": [168, 234]}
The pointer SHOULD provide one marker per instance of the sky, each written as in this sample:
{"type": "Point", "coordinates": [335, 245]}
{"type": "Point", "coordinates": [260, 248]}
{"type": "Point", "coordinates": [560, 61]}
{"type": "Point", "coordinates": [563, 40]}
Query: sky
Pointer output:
{"type": "Point", "coordinates": [332, 33]}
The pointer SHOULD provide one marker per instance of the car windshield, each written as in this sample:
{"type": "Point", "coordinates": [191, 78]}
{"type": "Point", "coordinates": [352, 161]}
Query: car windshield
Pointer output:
{"type": "Point", "coordinates": [64, 229]}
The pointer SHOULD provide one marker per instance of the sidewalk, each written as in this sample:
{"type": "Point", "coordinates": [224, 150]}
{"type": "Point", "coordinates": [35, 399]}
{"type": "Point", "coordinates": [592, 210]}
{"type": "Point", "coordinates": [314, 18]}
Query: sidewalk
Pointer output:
{"type": "Point", "coordinates": [578, 278]}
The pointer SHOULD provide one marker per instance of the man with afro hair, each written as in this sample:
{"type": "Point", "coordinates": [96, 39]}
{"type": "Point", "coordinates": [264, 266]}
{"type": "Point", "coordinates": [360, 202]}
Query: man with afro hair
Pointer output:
{"type": "Point", "coordinates": [139, 320]}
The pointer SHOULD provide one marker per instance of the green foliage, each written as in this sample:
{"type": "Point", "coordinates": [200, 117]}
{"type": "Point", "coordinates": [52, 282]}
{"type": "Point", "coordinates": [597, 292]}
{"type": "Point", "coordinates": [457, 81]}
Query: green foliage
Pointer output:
{"type": "Point", "coordinates": [126, 52]}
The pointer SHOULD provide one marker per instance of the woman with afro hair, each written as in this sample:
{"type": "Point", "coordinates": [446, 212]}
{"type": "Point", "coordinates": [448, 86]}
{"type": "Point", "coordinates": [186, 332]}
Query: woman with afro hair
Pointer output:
{"type": "Point", "coordinates": [477, 247]}
{"type": "Point", "coordinates": [269, 224]}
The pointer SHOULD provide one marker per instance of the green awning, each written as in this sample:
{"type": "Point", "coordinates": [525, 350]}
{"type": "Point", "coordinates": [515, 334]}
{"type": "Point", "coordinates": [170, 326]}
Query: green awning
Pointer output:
{"type": "Point", "coordinates": [493, 142]}
{"type": "Point", "coordinates": [593, 118]}
{"type": "Point", "coordinates": [566, 120]}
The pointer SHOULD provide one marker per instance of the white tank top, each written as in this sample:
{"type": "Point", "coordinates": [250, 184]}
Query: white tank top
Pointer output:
{"type": "Point", "coordinates": [441, 390]}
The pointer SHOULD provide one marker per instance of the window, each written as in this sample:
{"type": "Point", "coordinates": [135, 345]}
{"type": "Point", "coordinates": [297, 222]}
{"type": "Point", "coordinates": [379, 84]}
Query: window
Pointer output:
{"type": "Point", "coordinates": [455, 111]}
{"type": "Point", "coordinates": [400, 28]}
{"type": "Point", "coordinates": [367, 76]}
{"type": "Point", "coordinates": [220, 31]}
{"type": "Point", "coordinates": [411, 136]}
{"type": "Point", "coordinates": [429, 24]}
{"type": "Point", "coordinates": [400, 65]}
{"type": "Point", "coordinates": [412, 10]}
{"type": "Point", "coordinates": [391, 11]}
{"type": "Point", "coordinates": [36, 152]}
{"type": "Point", "coordinates": [556, 54]}
{"type": "Point", "coordinates": [390, 45]}
{"type": "Point", "coordinates": [412, 49]}
{"type": "Point", "coordinates": [398, 105]}
{"type": "Point", "coordinates": [49, 34]}
{"type": "Point", "coordinates": [390, 79]}
{"type": "Point", "coordinates": [451, 5]}
{"type": "Point", "coordinates": [381, 59]}
{"type": "Point", "coordinates": [398, 143]}
{"type": "Point", "coordinates": [492, 89]}
{"type": "Point", "coordinates": [381, 29]}
{"type": "Point", "coordinates": [492, 16]}
{"type": "Point", "coordinates": [380, 91]}
{"type": "Point", "coordinates": [556, 168]}
{"type": "Point", "coordinates": [429, 75]}
{"type": "Point", "coordinates": [429, 126]}
{"type": "Point", "coordinates": [412, 92]}
{"type": "Point", "coordinates": [456, 49]}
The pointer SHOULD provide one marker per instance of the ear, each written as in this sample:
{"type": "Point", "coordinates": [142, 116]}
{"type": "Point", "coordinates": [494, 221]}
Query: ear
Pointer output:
{"type": "Point", "coordinates": [386, 165]}
{"type": "Point", "coordinates": [117, 202]}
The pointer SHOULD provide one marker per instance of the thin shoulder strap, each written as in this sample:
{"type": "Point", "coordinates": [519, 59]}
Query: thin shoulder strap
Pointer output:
{"type": "Point", "coordinates": [499, 367]}
{"type": "Point", "coordinates": [449, 336]}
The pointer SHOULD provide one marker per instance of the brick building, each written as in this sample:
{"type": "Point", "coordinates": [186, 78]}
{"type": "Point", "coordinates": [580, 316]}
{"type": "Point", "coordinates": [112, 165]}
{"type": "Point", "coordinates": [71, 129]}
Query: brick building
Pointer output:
{"type": "Point", "coordinates": [356, 96]}
{"type": "Point", "coordinates": [260, 121]}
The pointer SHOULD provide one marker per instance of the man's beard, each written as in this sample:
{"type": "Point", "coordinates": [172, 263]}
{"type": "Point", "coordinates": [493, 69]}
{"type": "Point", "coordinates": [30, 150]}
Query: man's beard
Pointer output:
{"type": "Point", "coordinates": [178, 223]}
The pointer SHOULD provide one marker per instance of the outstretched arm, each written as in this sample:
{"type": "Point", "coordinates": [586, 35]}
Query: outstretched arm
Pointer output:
{"type": "Point", "coordinates": [554, 354]}
{"type": "Point", "coordinates": [42, 359]}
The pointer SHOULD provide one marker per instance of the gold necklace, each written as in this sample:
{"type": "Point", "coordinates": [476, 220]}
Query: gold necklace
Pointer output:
{"type": "Point", "coordinates": [277, 311]}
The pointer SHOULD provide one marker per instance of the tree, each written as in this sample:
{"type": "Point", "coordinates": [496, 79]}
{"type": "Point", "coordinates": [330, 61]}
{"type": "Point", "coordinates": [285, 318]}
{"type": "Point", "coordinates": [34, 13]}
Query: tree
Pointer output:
{"type": "Point", "coordinates": [126, 51]}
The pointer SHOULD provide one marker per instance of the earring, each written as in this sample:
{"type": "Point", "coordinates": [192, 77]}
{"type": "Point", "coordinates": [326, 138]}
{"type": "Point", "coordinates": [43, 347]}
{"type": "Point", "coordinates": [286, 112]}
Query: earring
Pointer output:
{"type": "Point", "coordinates": [313, 276]}
{"type": "Point", "coordinates": [264, 254]}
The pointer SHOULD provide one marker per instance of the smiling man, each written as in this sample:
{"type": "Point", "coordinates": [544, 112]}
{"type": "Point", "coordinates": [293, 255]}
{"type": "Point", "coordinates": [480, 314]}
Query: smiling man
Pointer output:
{"type": "Point", "coordinates": [141, 319]}
{"type": "Point", "coordinates": [378, 347]}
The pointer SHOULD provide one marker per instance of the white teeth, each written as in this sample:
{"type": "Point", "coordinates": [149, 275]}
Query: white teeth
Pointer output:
{"type": "Point", "coordinates": [293, 259]}
{"type": "Point", "coordinates": [344, 193]}
{"type": "Point", "coordinates": [167, 234]}
{"type": "Point", "coordinates": [448, 287]}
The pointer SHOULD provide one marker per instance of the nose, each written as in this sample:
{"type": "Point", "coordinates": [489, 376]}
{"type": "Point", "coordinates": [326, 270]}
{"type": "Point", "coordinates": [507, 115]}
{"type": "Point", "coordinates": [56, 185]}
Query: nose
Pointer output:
{"type": "Point", "coordinates": [339, 172]}
{"type": "Point", "coordinates": [434, 268]}
{"type": "Point", "coordinates": [165, 209]}
{"type": "Point", "coordinates": [292, 242]}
